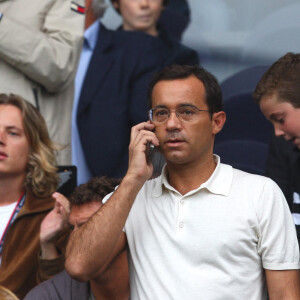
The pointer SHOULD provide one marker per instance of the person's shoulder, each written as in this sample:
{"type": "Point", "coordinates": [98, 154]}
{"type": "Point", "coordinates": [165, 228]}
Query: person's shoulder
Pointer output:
{"type": "Point", "coordinates": [58, 287]}
{"type": "Point", "coordinates": [183, 48]}
{"type": "Point", "coordinates": [34, 204]}
{"type": "Point", "coordinates": [48, 289]}
{"type": "Point", "coordinates": [252, 181]}
{"type": "Point", "coordinates": [181, 54]}
{"type": "Point", "coordinates": [243, 175]}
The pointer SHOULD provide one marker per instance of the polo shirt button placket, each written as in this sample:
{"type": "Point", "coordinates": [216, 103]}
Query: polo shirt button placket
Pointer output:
{"type": "Point", "coordinates": [181, 224]}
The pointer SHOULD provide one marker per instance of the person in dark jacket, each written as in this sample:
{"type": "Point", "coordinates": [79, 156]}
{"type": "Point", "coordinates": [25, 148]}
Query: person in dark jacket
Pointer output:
{"type": "Point", "coordinates": [143, 16]}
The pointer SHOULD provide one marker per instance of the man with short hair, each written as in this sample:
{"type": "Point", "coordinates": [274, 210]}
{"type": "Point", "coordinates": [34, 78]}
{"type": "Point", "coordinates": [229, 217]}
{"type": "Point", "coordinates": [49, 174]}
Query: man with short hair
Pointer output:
{"type": "Point", "coordinates": [144, 16]}
{"type": "Point", "coordinates": [113, 284]}
{"type": "Point", "coordinates": [201, 229]}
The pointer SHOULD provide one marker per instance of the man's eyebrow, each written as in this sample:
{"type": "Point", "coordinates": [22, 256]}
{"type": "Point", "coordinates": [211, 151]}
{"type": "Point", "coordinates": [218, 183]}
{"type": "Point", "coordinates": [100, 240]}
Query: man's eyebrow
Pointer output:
{"type": "Point", "coordinates": [159, 106]}
{"type": "Point", "coordinates": [181, 105]}
{"type": "Point", "coordinates": [187, 104]}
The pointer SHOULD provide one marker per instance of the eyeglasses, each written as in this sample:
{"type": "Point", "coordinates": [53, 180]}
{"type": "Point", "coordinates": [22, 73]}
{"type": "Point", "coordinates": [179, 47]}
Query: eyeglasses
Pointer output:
{"type": "Point", "coordinates": [185, 113]}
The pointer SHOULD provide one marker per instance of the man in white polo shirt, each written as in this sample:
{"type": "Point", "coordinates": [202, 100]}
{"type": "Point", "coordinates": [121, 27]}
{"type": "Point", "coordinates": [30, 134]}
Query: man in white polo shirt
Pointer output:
{"type": "Point", "coordinates": [202, 230]}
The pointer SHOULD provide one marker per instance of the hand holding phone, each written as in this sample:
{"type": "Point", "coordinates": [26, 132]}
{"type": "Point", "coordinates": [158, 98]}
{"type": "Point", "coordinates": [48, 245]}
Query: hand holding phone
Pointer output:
{"type": "Point", "coordinates": [140, 165]}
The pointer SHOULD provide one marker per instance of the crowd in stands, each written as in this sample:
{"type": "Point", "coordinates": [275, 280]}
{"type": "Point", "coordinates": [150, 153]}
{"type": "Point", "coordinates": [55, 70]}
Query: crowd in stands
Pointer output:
{"type": "Point", "coordinates": [156, 214]}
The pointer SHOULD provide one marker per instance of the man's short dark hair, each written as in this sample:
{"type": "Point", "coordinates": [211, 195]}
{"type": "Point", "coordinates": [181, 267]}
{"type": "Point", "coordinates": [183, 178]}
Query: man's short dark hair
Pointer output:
{"type": "Point", "coordinates": [94, 190]}
{"type": "Point", "coordinates": [281, 79]}
{"type": "Point", "coordinates": [165, 3]}
{"type": "Point", "coordinates": [212, 88]}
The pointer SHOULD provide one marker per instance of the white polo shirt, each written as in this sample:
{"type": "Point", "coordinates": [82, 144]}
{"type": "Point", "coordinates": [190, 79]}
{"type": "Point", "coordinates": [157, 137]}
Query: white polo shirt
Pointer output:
{"type": "Point", "coordinates": [211, 243]}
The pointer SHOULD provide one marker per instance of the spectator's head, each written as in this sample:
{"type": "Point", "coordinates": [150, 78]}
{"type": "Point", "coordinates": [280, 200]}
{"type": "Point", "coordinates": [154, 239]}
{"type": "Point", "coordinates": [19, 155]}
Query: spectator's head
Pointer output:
{"type": "Point", "coordinates": [187, 113]}
{"type": "Point", "coordinates": [278, 95]}
{"type": "Point", "coordinates": [213, 94]}
{"type": "Point", "coordinates": [140, 15]}
{"type": "Point", "coordinates": [87, 198]}
{"type": "Point", "coordinates": [27, 151]}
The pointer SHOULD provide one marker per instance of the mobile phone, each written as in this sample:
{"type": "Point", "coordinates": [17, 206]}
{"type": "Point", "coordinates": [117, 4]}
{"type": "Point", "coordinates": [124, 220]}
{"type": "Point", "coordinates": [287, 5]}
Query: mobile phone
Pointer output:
{"type": "Point", "coordinates": [150, 153]}
{"type": "Point", "coordinates": [155, 158]}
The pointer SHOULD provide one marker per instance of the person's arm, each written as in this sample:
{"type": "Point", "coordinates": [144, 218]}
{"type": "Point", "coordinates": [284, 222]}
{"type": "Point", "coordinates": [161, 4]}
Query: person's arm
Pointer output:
{"type": "Point", "coordinates": [277, 243]}
{"type": "Point", "coordinates": [93, 246]}
{"type": "Point", "coordinates": [283, 285]}
{"type": "Point", "coordinates": [47, 55]}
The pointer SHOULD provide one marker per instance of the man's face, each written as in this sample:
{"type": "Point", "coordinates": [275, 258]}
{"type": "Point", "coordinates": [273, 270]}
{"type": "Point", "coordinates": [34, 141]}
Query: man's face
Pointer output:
{"type": "Point", "coordinates": [141, 15]}
{"type": "Point", "coordinates": [183, 142]}
{"type": "Point", "coordinates": [81, 213]}
{"type": "Point", "coordinates": [284, 117]}
{"type": "Point", "coordinates": [14, 146]}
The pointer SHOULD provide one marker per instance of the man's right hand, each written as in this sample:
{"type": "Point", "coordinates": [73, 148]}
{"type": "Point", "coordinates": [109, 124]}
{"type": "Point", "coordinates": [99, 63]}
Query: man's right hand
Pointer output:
{"type": "Point", "coordinates": [139, 169]}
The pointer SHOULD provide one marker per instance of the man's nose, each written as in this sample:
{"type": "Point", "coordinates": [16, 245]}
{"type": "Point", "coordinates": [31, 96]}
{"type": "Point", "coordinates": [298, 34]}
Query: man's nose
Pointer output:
{"type": "Point", "coordinates": [173, 121]}
{"type": "Point", "coordinates": [144, 2]}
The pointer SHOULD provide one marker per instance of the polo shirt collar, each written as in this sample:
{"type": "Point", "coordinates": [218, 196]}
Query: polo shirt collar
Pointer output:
{"type": "Point", "coordinates": [91, 35]}
{"type": "Point", "coordinates": [219, 182]}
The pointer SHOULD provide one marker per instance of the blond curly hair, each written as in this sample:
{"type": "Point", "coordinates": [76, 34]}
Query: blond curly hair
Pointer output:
{"type": "Point", "coordinates": [41, 174]}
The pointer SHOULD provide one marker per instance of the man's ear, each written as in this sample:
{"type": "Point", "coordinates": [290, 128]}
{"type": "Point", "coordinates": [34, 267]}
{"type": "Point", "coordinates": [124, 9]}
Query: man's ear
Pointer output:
{"type": "Point", "coordinates": [218, 121]}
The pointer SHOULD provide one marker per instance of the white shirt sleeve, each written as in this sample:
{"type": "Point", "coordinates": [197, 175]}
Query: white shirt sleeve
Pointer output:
{"type": "Point", "coordinates": [277, 244]}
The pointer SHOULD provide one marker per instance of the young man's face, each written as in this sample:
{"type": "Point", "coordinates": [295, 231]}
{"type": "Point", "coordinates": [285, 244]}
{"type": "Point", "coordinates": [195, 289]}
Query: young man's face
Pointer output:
{"type": "Point", "coordinates": [185, 142]}
{"type": "Point", "coordinates": [81, 213]}
{"type": "Point", "coordinates": [284, 117]}
{"type": "Point", "coordinates": [140, 15]}
{"type": "Point", "coordinates": [14, 146]}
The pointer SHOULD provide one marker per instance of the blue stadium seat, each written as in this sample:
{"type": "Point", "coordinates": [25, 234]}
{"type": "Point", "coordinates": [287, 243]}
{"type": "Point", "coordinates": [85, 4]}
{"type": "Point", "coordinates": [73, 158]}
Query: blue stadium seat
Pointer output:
{"type": "Point", "coordinates": [246, 155]}
{"type": "Point", "coordinates": [244, 140]}
{"type": "Point", "coordinates": [244, 118]}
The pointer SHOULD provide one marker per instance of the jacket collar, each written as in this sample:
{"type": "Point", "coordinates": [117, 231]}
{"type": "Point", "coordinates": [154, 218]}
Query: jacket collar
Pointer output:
{"type": "Point", "coordinates": [35, 205]}
{"type": "Point", "coordinates": [98, 68]}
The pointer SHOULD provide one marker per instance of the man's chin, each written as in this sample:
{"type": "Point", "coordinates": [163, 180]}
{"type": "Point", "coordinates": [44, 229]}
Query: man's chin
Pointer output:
{"type": "Point", "coordinates": [177, 158]}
